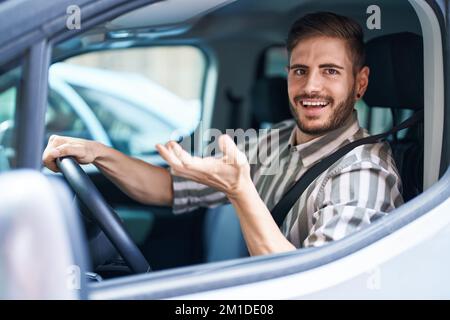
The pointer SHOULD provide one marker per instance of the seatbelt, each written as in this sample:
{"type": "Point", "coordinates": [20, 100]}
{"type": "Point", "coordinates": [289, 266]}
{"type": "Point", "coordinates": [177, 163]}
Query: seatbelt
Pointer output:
{"type": "Point", "coordinates": [283, 206]}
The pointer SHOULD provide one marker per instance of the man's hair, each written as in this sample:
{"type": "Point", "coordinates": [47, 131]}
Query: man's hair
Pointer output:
{"type": "Point", "coordinates": [329, 24]}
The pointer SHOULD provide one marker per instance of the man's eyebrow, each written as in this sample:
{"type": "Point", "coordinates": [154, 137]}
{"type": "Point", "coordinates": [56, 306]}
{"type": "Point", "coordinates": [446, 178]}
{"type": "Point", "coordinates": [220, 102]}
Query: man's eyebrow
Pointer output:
{"type": "Point", "coordinates": [330, 65]}
{"type": "Point", "coordinates": [296, 66]}
{"type": "Point", "coordinates": [325, 65]}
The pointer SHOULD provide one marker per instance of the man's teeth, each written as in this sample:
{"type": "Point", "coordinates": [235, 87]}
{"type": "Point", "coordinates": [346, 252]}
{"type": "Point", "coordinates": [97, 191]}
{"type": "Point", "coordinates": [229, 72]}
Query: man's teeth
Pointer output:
{"type": "Point", "coordinates": [318, 103]}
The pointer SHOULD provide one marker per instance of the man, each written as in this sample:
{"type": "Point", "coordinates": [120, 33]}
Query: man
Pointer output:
{"type": "Point", "coordinates": [326, 75]}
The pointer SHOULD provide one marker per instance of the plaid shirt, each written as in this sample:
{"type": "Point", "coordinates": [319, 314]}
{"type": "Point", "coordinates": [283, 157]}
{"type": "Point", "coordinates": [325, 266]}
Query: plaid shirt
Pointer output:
{"type": "Point", "coordinates": [361, 187]}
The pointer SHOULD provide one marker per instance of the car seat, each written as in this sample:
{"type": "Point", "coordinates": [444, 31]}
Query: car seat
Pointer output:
{"type": "Point", "coordinates": [396, 81]}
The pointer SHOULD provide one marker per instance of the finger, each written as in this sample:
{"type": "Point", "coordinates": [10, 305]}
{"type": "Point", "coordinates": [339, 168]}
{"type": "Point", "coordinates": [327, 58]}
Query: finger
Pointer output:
{"type": "Point", "coordinates": [168, 155]}
{"type": "Point", "coordinates": [55, 140]}
{"type": "Point", "coordinates": [69, 150]}
{"type": "Point", "coordinates": [182, 154]}
{"type": "Point", "coordinates": [232, 155]}
{"type": "Point", "coordinates": [51, 153]}
{"type": "Point", "coordinates": [49, 160]}
{"type": "Point", "coordinates": [188, 167]}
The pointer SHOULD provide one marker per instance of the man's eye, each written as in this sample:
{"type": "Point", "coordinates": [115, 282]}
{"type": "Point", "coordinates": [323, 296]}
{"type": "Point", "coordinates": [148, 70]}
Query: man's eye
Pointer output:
{"type": "Point", "coordinates": [299, 72]}
{"type": "Point", "coordinates": [332, 71]}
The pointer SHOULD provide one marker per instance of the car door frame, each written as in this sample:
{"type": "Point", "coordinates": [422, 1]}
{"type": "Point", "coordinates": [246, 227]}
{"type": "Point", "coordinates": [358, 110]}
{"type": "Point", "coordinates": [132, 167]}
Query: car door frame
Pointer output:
{"type": "Point", "coordinates": [445, 162]}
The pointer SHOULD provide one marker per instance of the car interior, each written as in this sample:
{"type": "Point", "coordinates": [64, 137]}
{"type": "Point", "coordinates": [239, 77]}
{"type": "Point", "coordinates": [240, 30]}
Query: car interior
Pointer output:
{"type": "Point", "coordinates": [243, 85]}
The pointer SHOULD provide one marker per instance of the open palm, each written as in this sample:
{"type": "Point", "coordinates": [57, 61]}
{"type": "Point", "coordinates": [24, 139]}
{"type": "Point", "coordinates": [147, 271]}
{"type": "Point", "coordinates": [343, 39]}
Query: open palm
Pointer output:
{"type": "Point", "coordinates": [225, 173]}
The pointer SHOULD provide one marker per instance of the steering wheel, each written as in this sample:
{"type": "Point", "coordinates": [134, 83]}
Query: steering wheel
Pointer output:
{"type": "Point", "coordinates": [108, 220]}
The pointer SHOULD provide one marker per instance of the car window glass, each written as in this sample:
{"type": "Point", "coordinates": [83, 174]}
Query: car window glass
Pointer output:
{"type": "Point", "coordinates": [130, 132]}
{"type": "Point", "coordinates": [9, 93]}
{"type": "Point", "coordinates": [137, 96]}
{"type": "Point", "coordinates": [61, 118]}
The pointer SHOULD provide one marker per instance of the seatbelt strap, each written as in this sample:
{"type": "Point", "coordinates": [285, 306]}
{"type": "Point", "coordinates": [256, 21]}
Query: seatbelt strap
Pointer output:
{"type": "Point", "coordinates": [288, 200]}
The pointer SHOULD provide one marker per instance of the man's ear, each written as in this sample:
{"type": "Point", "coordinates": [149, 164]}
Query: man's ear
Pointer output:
{"type": "Point", "coordinates": [362, 81]}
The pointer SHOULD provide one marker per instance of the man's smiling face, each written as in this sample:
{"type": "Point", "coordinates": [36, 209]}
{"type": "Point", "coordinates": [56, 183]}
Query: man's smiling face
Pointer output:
{"type": "Point", "coordinates": [322, 85]}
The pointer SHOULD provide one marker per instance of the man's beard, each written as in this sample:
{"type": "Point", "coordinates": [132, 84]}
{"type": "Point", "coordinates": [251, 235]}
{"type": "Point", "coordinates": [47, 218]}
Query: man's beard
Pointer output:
{"type": "Point", "coordinates": [340, 113]}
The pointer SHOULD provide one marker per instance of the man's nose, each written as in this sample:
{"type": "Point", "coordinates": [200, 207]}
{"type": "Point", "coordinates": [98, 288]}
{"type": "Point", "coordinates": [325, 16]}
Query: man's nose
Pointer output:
{"type": "Point", "coordinates": [313, 82]}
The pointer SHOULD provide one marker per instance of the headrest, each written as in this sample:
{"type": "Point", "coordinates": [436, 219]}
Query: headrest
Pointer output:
{"type": "Point", "coordinates": [270, 101]}
{"type": "Point", "coordinates": [396, 71]}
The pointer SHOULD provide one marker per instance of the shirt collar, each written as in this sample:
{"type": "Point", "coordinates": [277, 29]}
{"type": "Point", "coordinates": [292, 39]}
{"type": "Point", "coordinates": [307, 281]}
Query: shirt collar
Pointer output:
{"type": "Point", "coordinates": [318, 148]}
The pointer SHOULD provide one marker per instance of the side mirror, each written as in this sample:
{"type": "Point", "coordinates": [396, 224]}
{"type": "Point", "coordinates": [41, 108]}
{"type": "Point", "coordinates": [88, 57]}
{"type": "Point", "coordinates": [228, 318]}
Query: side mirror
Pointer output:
{"type": "Point", "coordinates": [42, 246]}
